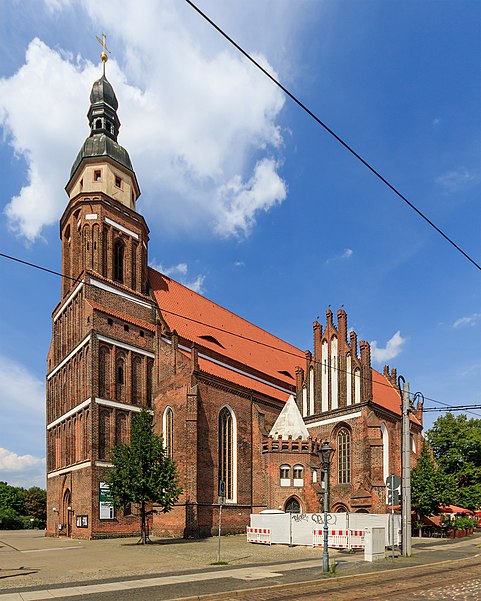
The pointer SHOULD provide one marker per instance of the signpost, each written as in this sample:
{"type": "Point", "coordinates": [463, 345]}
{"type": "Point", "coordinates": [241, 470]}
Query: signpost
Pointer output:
{"type": "Point", "coordinates": [221, 501]}
{"type": "Point", "coordinates": [393, 484]}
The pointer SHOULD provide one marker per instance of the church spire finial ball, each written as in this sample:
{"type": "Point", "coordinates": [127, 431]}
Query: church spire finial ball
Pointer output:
{"type": "Point", "coordinates": [103, 54]}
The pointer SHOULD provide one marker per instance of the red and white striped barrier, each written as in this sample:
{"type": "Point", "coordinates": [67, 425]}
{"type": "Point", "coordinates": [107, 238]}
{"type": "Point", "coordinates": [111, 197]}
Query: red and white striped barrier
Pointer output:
{"type": "Point", "coordinates": [259, 535]}
{"type": "Point", "coordinates": [340, 539]}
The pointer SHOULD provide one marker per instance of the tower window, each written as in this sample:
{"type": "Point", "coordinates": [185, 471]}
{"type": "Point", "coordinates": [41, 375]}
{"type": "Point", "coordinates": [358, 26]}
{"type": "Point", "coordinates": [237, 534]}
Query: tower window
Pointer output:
{"type": "Point", "coordinates": [98, 124]}
{"type": "Point", "coordinates": [119, 261]}
{"type": "Point", "coordinates": [126, 328]}
{"type": "Point", "coordinates": [141, 332]}
{"type": "Point", "coordinates": [110, 321]}
{"type": "Point", "coordinates": [97, 175]}
{"type": "Point", "coordinates": [118, 181]}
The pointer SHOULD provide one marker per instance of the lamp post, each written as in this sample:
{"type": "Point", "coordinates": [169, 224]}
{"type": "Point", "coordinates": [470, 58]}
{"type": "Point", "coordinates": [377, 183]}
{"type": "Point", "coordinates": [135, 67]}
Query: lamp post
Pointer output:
{"type": "Point", "coordinates": [325, 454]}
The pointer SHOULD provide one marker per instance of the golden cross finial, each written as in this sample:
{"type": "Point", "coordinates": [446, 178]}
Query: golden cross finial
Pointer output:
{"type": "Point", "coordinates": [103, 43]}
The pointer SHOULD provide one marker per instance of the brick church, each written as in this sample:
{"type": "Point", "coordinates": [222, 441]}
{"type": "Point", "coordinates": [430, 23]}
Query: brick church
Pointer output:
{"type": "Point", "coordinates": [232, 401]}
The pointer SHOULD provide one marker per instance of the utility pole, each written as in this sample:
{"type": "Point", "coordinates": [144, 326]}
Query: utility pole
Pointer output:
{"type": "Point", "coordinates": [406, 467]}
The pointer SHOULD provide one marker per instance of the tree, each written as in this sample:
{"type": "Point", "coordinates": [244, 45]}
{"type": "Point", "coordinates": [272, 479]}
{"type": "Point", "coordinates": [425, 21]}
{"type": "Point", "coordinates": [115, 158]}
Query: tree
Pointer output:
{"type": "Point", "coordinates": [35, 502]}
{"type": "Point", "coordinates": [142, 472]}
{"type": "Point", "coordinates": [11, 497]}
{"type": "Point", "coordinates": [426, 491]}
{"type": "Point", "coordinates": [456, 443]}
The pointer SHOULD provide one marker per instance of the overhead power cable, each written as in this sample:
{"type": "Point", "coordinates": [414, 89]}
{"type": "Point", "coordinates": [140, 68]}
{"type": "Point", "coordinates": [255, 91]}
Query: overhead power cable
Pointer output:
{"type": "Point", "coordinates": [332, 133]}
{"type": "Point", "coordinates": [235, 334]}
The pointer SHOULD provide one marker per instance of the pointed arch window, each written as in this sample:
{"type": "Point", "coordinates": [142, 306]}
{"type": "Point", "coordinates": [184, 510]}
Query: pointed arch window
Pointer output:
{"type": "Point", "coordinates": [104, 373]}
{"type": "Point", "coordinates": [119, 252]}
{"type": "Point", "coordinates": [168, 428]}
{"type": "Point", "coordinates": [120, 379]}
{"type": "Point", "coordinates": [121, 429]}
{"type": "Point", "coordinates": [227, 452]}
{"type": "Point", "coordinates": [136, 380]}
{"type": "Point", "coordinates": [293, 505]}
{"type": "Point", "coordinates": [344, 456]}
{"type": "Point", "coordinates": [104, 434]}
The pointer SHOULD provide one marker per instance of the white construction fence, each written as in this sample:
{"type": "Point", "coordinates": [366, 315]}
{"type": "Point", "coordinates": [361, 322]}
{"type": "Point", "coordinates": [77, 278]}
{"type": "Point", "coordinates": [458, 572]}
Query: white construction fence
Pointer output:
{"type": "Point", "coordinates": [345, 530]}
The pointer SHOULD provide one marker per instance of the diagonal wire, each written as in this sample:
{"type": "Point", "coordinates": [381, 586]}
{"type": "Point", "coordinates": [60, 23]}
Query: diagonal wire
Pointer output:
{"type": "Point", "coordinates": [332, 133]}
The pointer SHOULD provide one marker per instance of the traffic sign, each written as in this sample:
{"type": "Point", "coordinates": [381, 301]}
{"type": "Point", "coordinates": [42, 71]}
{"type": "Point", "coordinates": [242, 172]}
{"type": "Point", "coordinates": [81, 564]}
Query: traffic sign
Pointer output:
{"type": "Point", "coordinates": [221, 499]}
{"type": "Point", "coordinates": [393, 484]}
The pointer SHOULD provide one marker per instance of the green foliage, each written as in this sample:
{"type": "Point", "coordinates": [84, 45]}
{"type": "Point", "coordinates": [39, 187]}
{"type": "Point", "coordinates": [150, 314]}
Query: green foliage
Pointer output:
{"type": "Point", "coordinates": [9, 519]}
{"type": "Point", "coordinates": [142, 472]}
{"type": "Point", "coordinates": [464, 523]}
{"type": "Point", "coordinates": [35, 502]}
{"type": "Point", "coordinates": [11, 497]}
{"type": "Point", "coordinates": [456, 443]}
{"type": "Point", "coordinates": [426, 486]}
{"type": "Point", "coordinates": [18, 506]}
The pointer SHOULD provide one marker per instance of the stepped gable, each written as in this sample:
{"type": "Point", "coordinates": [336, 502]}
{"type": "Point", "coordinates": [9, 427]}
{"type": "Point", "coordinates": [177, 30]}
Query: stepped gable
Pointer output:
{"type": "Point", "coordinates": [227, 334]}
{"type": "Point", "coordinates": [289, 423]}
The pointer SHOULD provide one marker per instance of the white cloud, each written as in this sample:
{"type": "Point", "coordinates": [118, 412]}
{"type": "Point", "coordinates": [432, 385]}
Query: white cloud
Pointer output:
{"type": "Point", "coordinates": [390, 351]}
{"type": "Point", "coordinates": [22, 407]}
{"type": "Point", "coordinates": [200, 123]}
{"type": "Point", "coordinates": [239, 264]}
{"type": "Point", "coordinates": [470, 320]}
{"type": "Point", "coordinates": [180, 272]}
{"type": "Point", "coordinates": [455, 179]}
{"type": "Point", "coordinates": [238, 202]}
{"type": "Point", "coordinates": [346, 254]}
{"type": "Point", "coordinates": [22, 470]}
{"type": "Point", "coordinates": [22, 392]}
{"type": "Point", "coordinates": [436, 121]}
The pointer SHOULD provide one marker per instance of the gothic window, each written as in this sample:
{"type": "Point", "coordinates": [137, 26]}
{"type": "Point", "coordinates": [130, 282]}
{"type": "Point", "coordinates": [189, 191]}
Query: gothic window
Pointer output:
{"type": "Point", "coordinates": [120, 379]}
{"type": "Point", "coordinates": [344, 456]}
{"type": "Point", "coordinates": [168, 428]}
{"type": "Point", "coordinates": [98, 124]}
{"type": "Point", "coordinates": [104, 434]}
{"type": "Point", "coordinates": [136, 380]}
{"type": "Point", "coordinates": [227, 452]}
{"type": "Point", "coordinates": [119, 250]}
{"type": "Point", "coordinates": [104, 373]}
{"type": "Point", "coordinates": [150, 367]}
{"type": "Point", "coordinates": [121, 429]}
{"type": "Point", "coordinates": [293, 506]}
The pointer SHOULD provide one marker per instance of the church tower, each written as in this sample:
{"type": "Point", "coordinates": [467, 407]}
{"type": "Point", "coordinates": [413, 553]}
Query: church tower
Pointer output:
{"type": "Point", "coordinates": [101, 357]}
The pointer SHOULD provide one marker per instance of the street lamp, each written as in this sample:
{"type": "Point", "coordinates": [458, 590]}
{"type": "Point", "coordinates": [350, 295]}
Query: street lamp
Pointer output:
{"type": "Point", "coordinates": [325, 454]}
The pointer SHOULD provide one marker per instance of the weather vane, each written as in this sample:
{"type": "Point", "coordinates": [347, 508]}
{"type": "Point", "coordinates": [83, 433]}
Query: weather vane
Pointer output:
{"type": "Point", "coordinates": [103, 43]}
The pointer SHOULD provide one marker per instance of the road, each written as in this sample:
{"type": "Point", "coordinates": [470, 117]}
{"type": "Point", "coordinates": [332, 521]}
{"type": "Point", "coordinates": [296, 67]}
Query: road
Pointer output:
{"type": "Point", "coordinates": [450, 580]}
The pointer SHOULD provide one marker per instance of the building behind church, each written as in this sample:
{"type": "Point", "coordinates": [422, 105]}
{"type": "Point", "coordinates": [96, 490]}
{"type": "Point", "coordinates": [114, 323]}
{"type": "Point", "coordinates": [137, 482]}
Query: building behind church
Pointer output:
{"type": "Point", "coordinates": [233, 402]}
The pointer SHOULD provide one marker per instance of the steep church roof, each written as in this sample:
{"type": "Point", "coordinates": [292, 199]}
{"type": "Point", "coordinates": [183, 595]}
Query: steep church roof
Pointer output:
{"type": "Point", "coordinates": [200, 320]}
{"type": "Point", "coordinates": [236, 341]}
{"type": "Point", "coordinates": [290, 423]}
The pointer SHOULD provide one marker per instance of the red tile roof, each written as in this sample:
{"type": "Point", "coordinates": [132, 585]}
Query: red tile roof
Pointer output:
{"type": "Point", "coordinates": [232, 376]}
{"type": "Point", "coordinates": [386, 395]}
{"type": "Point", "coordinates": [193, 317]}
{"type": "Point", "coordinates": [129, 319]}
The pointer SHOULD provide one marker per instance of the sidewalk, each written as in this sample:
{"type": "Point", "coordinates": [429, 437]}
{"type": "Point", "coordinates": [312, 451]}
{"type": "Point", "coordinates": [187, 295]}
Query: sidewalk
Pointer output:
{"type": "Point", "coordinates": [39, 566]}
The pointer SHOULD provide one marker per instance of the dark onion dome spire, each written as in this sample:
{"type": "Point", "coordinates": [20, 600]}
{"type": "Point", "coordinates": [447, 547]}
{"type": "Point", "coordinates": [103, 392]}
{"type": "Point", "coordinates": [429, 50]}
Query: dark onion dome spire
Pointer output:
{"type": "Point", "coordinates": [104, 127]}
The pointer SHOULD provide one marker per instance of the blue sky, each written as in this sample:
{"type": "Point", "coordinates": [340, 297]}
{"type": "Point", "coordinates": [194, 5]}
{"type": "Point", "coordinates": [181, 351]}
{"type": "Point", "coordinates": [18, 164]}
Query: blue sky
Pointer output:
{"type": "Point", "coordinates": [248, 201]}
